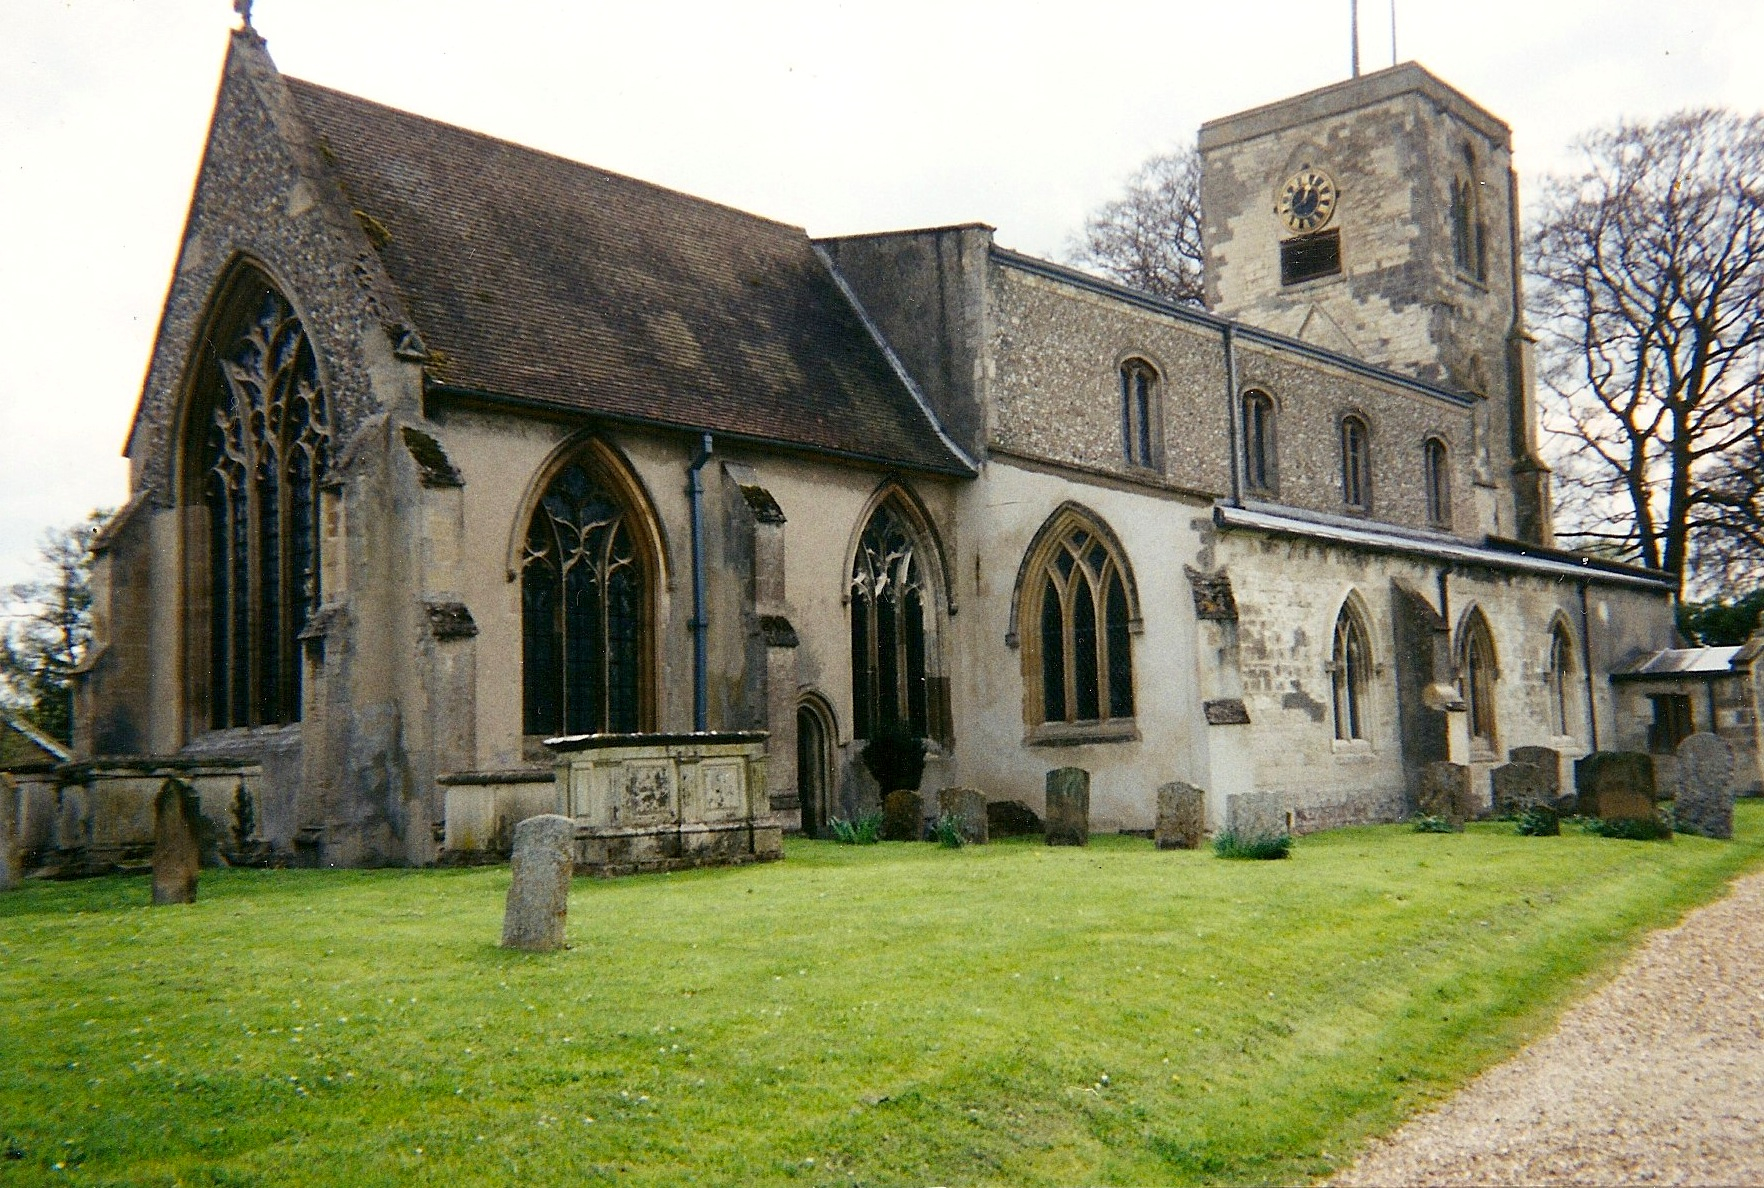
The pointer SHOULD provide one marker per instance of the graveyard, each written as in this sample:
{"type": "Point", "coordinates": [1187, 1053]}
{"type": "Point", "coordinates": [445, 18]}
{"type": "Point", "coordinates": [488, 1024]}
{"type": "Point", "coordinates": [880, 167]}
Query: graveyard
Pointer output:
{"type": "Point", "coordinates": [895, 1013]}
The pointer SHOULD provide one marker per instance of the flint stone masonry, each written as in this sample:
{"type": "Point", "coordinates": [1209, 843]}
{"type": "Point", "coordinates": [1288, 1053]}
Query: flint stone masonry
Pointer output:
{"type": "Point", "coordinates": [968, 807]}
{"type": "Point", "coordinates": [1549, 762]}
{"type": "Point", "coordinates": [177, 852]}
{"type": "Point", "coordinates": [1068, 807]}
{"type": "Point", "coordinates": [539, 897]}
{"type": "Point", "coordinates": [1518, 786]}
{"type": "Point", "coordinates": [1182, 817]}
{"type": "Point", "coordinates": [1615, 785]}
{"type": "Point", "coordinates": [1704, 779]}
{"type": "Point", "coordinates": [1445, 792]}
{"type": "Point", "coordinates": [903, 816]}
{"type": "Point", "coordinates": [1255, 814]}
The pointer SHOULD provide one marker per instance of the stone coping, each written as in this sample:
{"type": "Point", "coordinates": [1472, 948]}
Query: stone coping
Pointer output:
{"type": "Point", "coordinates": [604, 742]}
{"type": "Point", "coordinates": [513, 775]}
{"type": "Point", "coordinates": [151, 765]}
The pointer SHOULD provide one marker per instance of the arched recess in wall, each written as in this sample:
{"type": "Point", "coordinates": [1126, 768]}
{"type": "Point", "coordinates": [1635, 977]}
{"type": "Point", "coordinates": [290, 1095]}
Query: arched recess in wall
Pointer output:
{"type": "Point", "coordinates": [1350, 671]}
{"type": "Point", "coordinates": [817, 736]}
{"type": "Point", "coordinates": [255, 441]}
{"type": "Point", "coordinates": [897, 598]}
{"type": "Point", "coordinates": [1261, 457]}
{"type": "Point", "coordinates": [590, 558]}
{"type": "Point", "coordinates": [1478, 674]}
{"type": "Point", "coordinates": [1075, 609]}
{"type": "Point", "coordinates": [1561, 679]}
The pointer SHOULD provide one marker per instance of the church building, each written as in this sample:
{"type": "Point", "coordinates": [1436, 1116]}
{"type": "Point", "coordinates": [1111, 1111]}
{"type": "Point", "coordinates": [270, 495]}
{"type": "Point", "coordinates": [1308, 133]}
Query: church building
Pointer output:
{"type": "Point", "coordinates": [449, 446]}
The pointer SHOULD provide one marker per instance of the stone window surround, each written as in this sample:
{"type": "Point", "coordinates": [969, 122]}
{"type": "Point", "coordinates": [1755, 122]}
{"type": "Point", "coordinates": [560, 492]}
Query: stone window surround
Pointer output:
{"type": "Point", "coordinates": [1142, 428]}
{"type": "Point", "coordinates": [1357, 484]}
{"type": "Point", "coordinates": [1479, 675]}
{"type": "Point", "coordinates": [1261, 467]}
{"type": "Point", "coordinates": [1436, 481]}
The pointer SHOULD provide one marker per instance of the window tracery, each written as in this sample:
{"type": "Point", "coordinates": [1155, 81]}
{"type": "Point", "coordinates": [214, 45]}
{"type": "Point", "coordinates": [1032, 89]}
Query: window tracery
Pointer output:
{"type": "Point", "coordinates": [890, 600]}
{"type": "Point", "coordinates": [1477, 676]}
{"type": "Point", "coordinates": [1469, 233]}
{"type": "Point", "coordinates": [1077, 612]}
{"type": "Point", "coordinates": [1350, 670]}
{"type": "Point", "coordinates": [266, 450]}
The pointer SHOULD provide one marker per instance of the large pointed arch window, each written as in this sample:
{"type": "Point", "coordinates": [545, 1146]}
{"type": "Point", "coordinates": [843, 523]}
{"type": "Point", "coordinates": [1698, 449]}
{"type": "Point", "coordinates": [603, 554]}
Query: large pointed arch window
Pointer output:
{"type": "Point", "coordinates": [585, 590]}
{"type": "Point", "coordinates": [1477, 676]}
{"type": "Point", "coordinates": [891, 619]}
{"type": "Point", "coordinates": [1350, 670]}
{"type": "Point", "coordinates": [1077, 617]}
{"type": "Point", "coordinates": [265, 448]}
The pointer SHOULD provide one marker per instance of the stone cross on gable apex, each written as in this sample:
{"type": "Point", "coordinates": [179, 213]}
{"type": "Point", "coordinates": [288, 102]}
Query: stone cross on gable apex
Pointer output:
{"type": "Point", "coordinates": [243, 8]}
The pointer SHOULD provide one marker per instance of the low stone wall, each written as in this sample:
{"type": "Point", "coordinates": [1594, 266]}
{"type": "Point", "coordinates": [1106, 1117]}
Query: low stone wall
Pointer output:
{"type": "Point", "coordinates": [666, 802]}
{"type": "Point", "coordinates": [481, 809]}
{"type": "Point", "coordinates": [96, 817]}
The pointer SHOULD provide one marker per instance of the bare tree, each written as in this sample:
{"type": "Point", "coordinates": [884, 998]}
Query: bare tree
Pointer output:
{"type": "Point", "coordinates": [49, 630]}
{"type": "Point", "coordinates": [1649, 299]}
{"type": "Point", "coordinates": [1150, 237]}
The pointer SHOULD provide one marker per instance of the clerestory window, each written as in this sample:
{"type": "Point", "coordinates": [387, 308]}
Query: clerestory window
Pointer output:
{"type": "Point", "coordinates": [1436, 479]}
{"type": "Point", "coordinates": [1139, 413]}
{"type": "Point", "coordinates": [1356, 463]}
{"type": "Point", "coordinates": [1260, 473]}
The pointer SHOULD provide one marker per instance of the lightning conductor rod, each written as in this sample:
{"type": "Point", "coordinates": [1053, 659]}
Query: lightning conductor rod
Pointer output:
{"type": "Point", "coordinates": [1354, 33]}
{"type": "Point", "coordinates": [1393, 57]}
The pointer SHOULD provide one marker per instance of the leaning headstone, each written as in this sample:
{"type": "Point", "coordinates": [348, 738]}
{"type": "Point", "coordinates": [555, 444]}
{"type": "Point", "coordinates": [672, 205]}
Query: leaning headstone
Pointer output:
{"type": "Point", "coordinates": [1068, 807]}
{"type": "Point", "coordinates": [903, 816]}
{"type": "Point", "coordinates": [1445, 792]}
{"type": "Point", "coordinates": [1182, 817]}
{"type": "Point", "coordinates": [1518, 786]}
{"type": "Point", "coordinates": [177, 847]}
{"type": "Point", "coordinates": [968, 807]}
{"type": "Point", "coordinates": [1615, 786]}
{"type": "Point", "coordinates": [10, 871]}
{"type": "Point", "coordinates": [1548, 761]}
{"type": "Point", "coordinates": [1011, 818]}
{"type": "Point", "coordinates": [1704, 803]}
{"type": "Point", "coordinates": [539, 897]}
{"type": "Point", "coordinates": [1251, 815]}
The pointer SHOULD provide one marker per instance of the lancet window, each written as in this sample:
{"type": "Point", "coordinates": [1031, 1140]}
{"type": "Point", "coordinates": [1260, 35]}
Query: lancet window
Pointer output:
{"type": "Point", "coordinates": [1469, 234]}
{"type": "Point", "coordinates": [1356, 464]}
{"type": "Point", "coordinates": [1350, 669]}
{"type": "Point", "coordinates": [266, 447]}
{"type": "Point", "coordinates": [1436, 477]}
{"type": "Point", "coordinates": [891, 600]}
{"type": "Point", "coordinates": [1139, 412]}
{"type": "Point", "coordinates": [584, 619]}
{"type": "Point", "coordinates": [1561, 681]}
{"type": "Point", "coordinates": [1476, 665]}
{"type": "Point", "coordinates": [1258, 442]}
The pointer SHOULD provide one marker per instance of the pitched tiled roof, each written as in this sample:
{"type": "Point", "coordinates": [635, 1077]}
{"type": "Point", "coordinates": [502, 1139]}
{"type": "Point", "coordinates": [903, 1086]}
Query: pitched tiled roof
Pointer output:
{"type": "Point", "coordinates": [540, 279]}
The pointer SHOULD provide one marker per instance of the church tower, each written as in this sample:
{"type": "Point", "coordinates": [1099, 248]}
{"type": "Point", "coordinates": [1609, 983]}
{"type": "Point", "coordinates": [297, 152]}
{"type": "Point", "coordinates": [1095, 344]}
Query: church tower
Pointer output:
{"type": "Point", "coordinates": [1378, 218]}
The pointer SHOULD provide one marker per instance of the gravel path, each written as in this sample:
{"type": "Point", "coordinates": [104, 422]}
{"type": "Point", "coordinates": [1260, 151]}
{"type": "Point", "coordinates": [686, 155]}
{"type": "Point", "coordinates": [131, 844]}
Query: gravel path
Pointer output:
{"type": "Point", "coordinates": [1656, 1079]}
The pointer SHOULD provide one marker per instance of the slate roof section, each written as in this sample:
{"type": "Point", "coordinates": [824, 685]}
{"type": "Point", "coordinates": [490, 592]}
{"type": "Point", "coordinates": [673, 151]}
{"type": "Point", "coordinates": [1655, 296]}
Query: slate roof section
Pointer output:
{"type": "Point", "coordinates": [1686, 663]}
{"type": "Point", "coordinates": [543, 280]}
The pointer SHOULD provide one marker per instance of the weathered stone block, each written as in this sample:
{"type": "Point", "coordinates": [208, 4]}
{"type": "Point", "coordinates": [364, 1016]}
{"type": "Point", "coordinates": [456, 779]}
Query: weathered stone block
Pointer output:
{"type": "Point", "coordinates": [539, 897]}
{"type": "Point", "coordinates": [1518, 786]}
{"type": "Point", "coordinates": [1068, 807]}
{"type": "Point", "coordinates": [1012, 818]}
{"type": "Point", "coordinates": [1255, 814]}
{"type": "Point", "coordinates": [1182, 817]}
{"type": "Point", "coordinates": [903, 816]}
{"type": "Point", "coordinates": [177, 847]}
{"type": "Point", "coordinates": [1615, 785]}
{"type": "Point", "coordinates": [1548, 761]}
{"type": "Point", "coordinates": [1445, 792]}
{"type": "Point", "coordinates": [968, 807]}
{"type": "Point", "coordinates": [1704, 780]}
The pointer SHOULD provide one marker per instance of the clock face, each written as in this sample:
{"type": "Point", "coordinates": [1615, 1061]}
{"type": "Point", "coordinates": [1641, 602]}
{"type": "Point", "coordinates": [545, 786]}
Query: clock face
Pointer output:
{"type": "Point", "coordinates": [1307, 200]}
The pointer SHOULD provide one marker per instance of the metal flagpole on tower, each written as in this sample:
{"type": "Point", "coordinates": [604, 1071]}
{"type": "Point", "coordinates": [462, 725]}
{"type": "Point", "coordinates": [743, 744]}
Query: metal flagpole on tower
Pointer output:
{"type": "Point", "coordinates": [1393, 57]}
{"type": "Point", "coordinates": [1354, 29]}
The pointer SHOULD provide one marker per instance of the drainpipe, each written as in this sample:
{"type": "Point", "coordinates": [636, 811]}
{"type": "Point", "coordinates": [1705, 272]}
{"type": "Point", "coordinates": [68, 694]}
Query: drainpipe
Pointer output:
{"type": "Point", "coordinates": [700, 626]}
{"type": "Point", "coordinates": [1592, 713]}
{"type": "Point", "coordinates": [1234, 416]}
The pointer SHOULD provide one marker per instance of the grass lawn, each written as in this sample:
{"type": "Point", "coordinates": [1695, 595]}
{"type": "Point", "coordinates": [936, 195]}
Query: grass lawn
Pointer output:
{"type": "Point", "coordinates": [893, 1014]}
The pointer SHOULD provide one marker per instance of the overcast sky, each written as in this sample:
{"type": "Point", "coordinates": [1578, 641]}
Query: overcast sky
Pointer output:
{"type": "Point", "coordinates": [840, 117]}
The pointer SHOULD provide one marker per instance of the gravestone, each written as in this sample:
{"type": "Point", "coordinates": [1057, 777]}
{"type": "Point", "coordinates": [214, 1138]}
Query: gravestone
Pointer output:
{"type": "Point", "coordinates": [903, 816]}
{"type": "Point", "coordinates": [1182, 817]}
{"type": "Point", "coordinates": [968, 807]}
{"type": "Point", "coordinates": [1549, 762]}
{"type": "Point", "coordinates": [177, 846]}
{"type": "Point", "coordinates": [1011, 818]}
{"type": "Point", "coordinates": [1445, 792]}
{"type": "Point", "coordinates": [1068, 807]}
{"type": "Point", "coordinates": [1704, 803]}
{"type": "Point", "coordinates": [539, 896]}
{"type": "Point", "coordinates": [11, 873]}
{"type": "Point", "coordinates": [1250, 815]}
{"type": "Point", "coordinates": [1615, 786]}
{"type": "Point", "coordinates": [1518, 786]}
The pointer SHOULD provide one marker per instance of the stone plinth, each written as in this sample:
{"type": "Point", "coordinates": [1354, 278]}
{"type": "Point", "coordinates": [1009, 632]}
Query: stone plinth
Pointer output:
{"type": "Point", "coordinates": [645, 802]}
{"type": "Point", "coordinates": [903, 816]}
{"type": "Point", "coordinates": [1615, 785]}
{"type": "Point", "coordinates": [1068, 807]}
{"type": "Point", "coordinates": [539, 897]}
{"type": "Point", "coordinates": [968, 807]}
{"type": "Point", "coordinates": [1445, 792]}
{"type": "Point", "coordinates": [177, 843]}
{"type": "Point", "coordinates": [1704, 779]}
{"type": "Point", "coordinates": [1182, 817]}
{"type": "Point", "coordinates": [1518, 786]}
